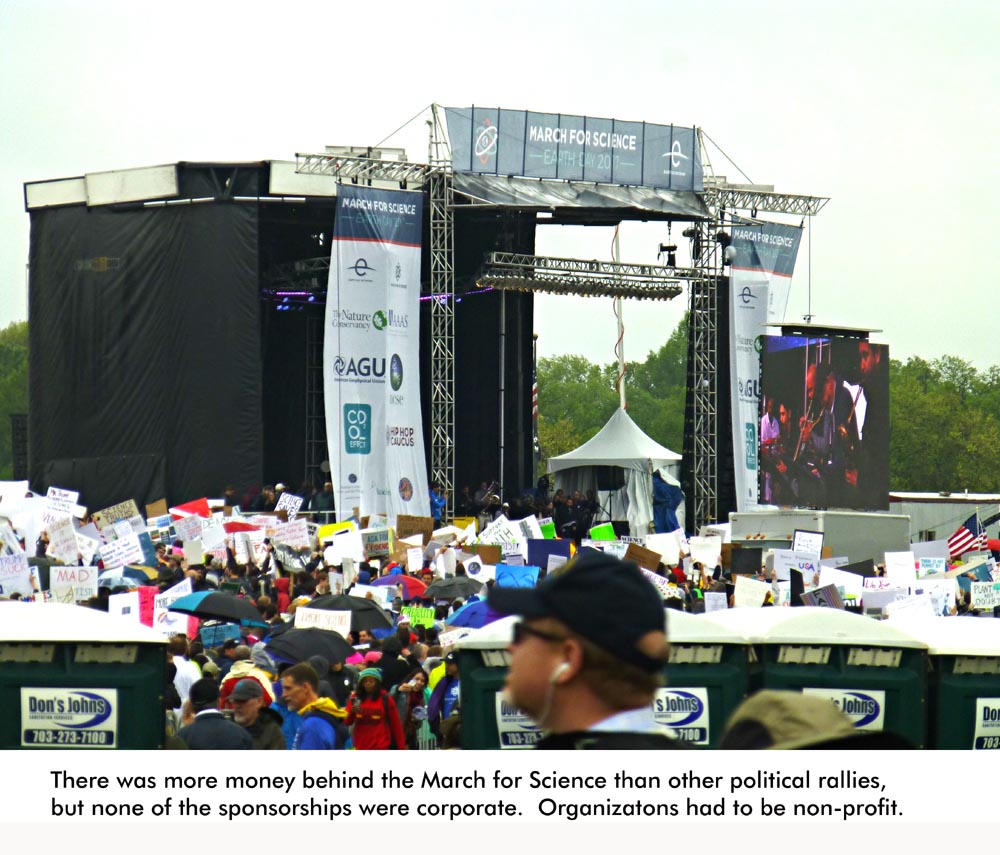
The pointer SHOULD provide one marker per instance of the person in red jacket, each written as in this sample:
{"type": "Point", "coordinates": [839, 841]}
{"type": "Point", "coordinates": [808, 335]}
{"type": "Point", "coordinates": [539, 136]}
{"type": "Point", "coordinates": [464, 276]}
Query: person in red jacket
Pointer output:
{"type": "Point", "coordinates": [374, 715]}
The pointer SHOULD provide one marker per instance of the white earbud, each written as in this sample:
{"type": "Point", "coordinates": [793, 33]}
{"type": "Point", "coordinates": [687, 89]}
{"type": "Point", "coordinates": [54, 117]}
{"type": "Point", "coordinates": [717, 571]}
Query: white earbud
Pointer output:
{"type": "Point", "coordinates": [560, 670]}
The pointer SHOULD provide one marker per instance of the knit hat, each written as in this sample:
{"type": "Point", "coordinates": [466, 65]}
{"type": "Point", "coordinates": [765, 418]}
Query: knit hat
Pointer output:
{"type": "Point", "coordinates": [246, 690]}
{"type": "Point", "coordinates": [370, 672]}
{"type": "Point", "coordinates": [262, 659]}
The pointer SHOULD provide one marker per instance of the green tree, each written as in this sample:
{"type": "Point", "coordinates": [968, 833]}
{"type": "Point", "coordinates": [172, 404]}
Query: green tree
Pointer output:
{"type": "Point", "coordinates": [13, 387]}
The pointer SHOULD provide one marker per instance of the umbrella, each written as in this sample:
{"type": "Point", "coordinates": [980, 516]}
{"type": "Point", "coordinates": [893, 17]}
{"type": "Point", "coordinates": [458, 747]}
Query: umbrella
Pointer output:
{"type": "Point", "coordinates": [216, 604]}
{"type": "Point", "coordinates": [297, 645]}
{"type": "Point", "coordinates": [140, 572]}
{"type": "Point", "coordinates": [365, 614]}
{"type": "Point", "coordinates": [454, 586]}
{"type": "Point", "coordinates": [476, 615]}
{"type": "Point", "coordinates": [127, 576]}
{"type": "Point", "coordinates": [412, 586]}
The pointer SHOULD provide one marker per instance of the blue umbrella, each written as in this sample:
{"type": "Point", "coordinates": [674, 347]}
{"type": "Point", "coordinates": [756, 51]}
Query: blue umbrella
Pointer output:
{"type": "Point", "coordinates": [220, 606]}
{"type": "Point", "coordinates": [475, 615]}
{"type": "Point", "coordinates": [122, 576]}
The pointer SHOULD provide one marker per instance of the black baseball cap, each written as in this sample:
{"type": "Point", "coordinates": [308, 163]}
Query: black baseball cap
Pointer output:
{"type": "Point", "coordinates": [607, 601]}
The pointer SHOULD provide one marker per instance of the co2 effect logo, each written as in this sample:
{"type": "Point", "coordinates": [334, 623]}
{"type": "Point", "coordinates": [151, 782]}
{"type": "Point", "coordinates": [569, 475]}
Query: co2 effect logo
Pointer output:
{"type": "Point", "coordinates": [357, 428]}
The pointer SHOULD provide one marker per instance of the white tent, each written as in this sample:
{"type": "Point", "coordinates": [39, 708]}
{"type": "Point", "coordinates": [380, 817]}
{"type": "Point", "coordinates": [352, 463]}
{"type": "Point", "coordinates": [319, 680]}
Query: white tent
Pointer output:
{"type": "Point", "coordinates": [620, 444]}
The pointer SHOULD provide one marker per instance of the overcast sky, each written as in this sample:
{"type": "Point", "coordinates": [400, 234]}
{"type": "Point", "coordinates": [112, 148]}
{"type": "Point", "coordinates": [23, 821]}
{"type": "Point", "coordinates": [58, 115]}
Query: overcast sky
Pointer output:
{"type": "Point", "coordinates": [889, 108]}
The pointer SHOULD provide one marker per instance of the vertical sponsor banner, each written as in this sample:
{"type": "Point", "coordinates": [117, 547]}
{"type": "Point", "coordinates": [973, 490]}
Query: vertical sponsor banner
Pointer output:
{"type": "Point", "coordinates": [371, 354]}
{"type": "Point", "coordinates": [761, 275]}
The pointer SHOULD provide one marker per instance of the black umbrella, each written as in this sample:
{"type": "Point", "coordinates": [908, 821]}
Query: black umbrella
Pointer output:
{"type": "Point", "coordinates": [365, 613]}
{"type": "Point", "coordinates": [218, 605]}
{"type": "Point", "coordinates": [297, 645]}
{"type": "Point", "coordinates": [454, 586]}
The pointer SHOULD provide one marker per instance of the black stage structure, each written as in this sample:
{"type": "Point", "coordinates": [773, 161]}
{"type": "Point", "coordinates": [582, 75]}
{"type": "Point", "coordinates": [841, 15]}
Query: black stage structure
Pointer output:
{"type": "Point", "coordinates": [176, 319]}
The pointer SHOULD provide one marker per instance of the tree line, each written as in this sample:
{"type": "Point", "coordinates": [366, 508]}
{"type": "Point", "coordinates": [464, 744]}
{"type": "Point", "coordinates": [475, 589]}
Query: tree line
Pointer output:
{"type": "Point", "coordinates": [944, 414]}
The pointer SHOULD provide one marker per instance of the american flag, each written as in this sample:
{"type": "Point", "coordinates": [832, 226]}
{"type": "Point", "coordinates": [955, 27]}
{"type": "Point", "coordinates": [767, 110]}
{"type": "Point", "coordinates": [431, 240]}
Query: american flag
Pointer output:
{"type": "Point", "coordinates": [971, 535]}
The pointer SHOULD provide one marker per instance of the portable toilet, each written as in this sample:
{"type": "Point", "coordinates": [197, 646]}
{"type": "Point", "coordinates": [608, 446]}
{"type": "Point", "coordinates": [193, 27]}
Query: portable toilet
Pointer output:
{"type": "Point", "coordinates": [874, 672]}
{"type": "Point", "coordinates": [706, 678]}
{"type": "Point", "coordinates": [74, 677]}
{"type": "Point", "coordinates": [964, 690]}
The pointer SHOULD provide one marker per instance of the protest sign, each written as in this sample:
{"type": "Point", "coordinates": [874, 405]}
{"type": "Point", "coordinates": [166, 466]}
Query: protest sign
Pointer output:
{"type": "Point", "coordinates": [604, 531]}
{"type": "Point", "coordinates": [555, 562]}
{"type": "Point", "coordinates": [499, 532]}
{"type": "Point", "coordinates": [931, 549]}
{"type": "Point", "coordinates": [943, 593]}
{"type": "Point", "coordinates": [927, 565]}
{"type": "Point", "coordinates": [214, 636]}
{"type": "Point", "coordinates": [73, 584]}
{"type": "Point", "coordinates": [159, 508]}
{"type": "Point", "coordinates": [540, 550]}
{"type": "Point", "coordinates": [289, 502]}
{"type": "Point", "coordinates": [15, 577]}
{"type": "Point", "coordinates": [414, 559]}
{"type": "Point", "coordinates": [861, 568]}
{"type": "Point", "coordinates": [663, 586]}
{"type": "Point", "coordinates": [105, 518]}
{"type": "Point", "coordinates": [188, 528]}
{"type": "Point", "coordinates": [875, 601]}
{"type": "Point", "coordinates": [64, 502]}
{"type": "Point", "coordinates": [707, 550]}
{"type": "Point", "coordinates": [529, 528]}
{"type": "Point", "coordinates": [786, 560]}
{"type": "Point", "coordinates": [381, 594]}
{"type": "Point", "coordinates": [919, 607]}
{"type": "Point", "coordinates": [9, 544]}
{"type": "Point", "coordinates": [62, 540]}
{"type": "Point", "coordinates": [419, 616]}
{"type": "Point", "coordinates": [826, 596]}
{"type": "Point", "coordinates": [517, 577]}
{"type": "Point", "coordinates": [901, 567]}
{"type": "Point", "coordinates": [147, 603]}
{"type": "Point", "coordinates": [715, 601]}
{"type": "Point", "coordinates": [667, 545]}
{"type": "Point", "coordinates": [807, 541]}
{"type": "Point", "coordinates": [447, 561]}
{"type": "Point", "coordinates": [377, 542]}
{"type": "Point", "coordinates": [749, 593]}
{"type": "Point", "coordinates": [332, 621]}
{"type": "Point", "coordinates": [852, 584]}
{"type": "Point", "coordinates": [125, 605]}
{"type": "Point", "coordinates": [476, 568]}
{"type": "Point", "coordinates": [613, 547]}
{"type": "Point", "coordinates": [985, 595]}
{"type": "Point", "coordinates": [294, 533]}
{"type": "Point", "coordinates": [646, 558]}
{"type": "Point", "coordinates": [193, 552]}
{"type": "Point", "coordinates": [407, 525]}
{"type": "Point", "coordinates": [547, 527]}
{"type": "Point", "coordinates": [124, 550]}
{"type": "Point", "coordinates": [452, 636]}
{"type": "Point", "coordinates": [488, 552]}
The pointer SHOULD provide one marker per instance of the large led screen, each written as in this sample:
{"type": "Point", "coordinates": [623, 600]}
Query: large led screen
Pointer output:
{"type": "Point", "coordinates": [824, 423]}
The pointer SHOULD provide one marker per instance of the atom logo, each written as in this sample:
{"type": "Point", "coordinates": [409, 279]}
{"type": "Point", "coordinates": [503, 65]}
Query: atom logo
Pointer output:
{"type": "Point", "coordinates": [486, 142]}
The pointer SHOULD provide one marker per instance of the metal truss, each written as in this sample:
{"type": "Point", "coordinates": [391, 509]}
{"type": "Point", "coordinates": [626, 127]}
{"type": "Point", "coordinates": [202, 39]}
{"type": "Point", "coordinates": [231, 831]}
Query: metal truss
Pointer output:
{"type": "Point", "coordinates": [513, 271]}
{"type": "Point", "coordinates": [364, 170]}
{"type": "Point", "coordinates": [704, 326]}
{"type": "Point", "coordinates": [735, 197]}
{"type": "Point", "coordinates": [315, 438]}
{"type": "Point", "coordinates": [442, 270]}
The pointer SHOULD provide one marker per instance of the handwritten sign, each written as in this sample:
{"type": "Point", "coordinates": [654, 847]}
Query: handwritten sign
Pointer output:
{"type": "Point", "coordinates": [985, 595]}
{"type": "Point", "coordinates": [15, 577]}
{"type": "Point", "coordinates": [707, 550]}
{"type": "Point", "coordinates": [381, 594]}
{"type": "Point", "coordinates": [125, 550]}
{"type": "Point", "coordinates": [786, 560]}
{"type": "Point", "coordinates": [749, 593]}
{"type": "Point", "coordinates": [73, 584]}
{"type": "Point", "coordinates": [715, 601]}
{"type": "Point", "coordinates": [901, 567]}
{"type": "Point", "coordinates": [62, 540]}
{"type": "Point", "coordinates": [294, 533]}
{"type": "Point", "coordinates": [328, 619]}
{"type": "Point", "coordinates": [289, 502]}
{"type": "Point", "coordinates": [377, 542]}
{"type": "Point", "coordinates": [419, 616]}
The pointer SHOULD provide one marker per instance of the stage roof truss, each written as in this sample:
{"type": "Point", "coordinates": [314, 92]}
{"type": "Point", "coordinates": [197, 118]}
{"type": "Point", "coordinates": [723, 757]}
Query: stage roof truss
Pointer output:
{"type": "Point", "coordinates": [364, 170]}
{"type": "Point", "coordinates": [513, 271]}
{"type": "Point", "coordinates": [721, 196]}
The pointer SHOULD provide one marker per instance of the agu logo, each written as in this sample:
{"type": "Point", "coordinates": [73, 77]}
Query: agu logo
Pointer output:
{"type": "Point", "coordinates": [358, 428]}
{"type": "Point", "coordinates": [364, 366]}
{"type": "Point", "coordinates": [677, 708]}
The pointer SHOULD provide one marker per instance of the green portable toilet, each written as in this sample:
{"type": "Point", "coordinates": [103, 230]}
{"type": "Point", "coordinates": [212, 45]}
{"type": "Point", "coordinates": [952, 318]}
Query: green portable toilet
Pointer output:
{"type": "Point", "coordinates": [73, 677]}
{"type": "Point", "coordinates": [706, 678]}
{"type": "Point", "coordinates": [874, 672]}
{"type": "Point", "coordinates": [964, 691]}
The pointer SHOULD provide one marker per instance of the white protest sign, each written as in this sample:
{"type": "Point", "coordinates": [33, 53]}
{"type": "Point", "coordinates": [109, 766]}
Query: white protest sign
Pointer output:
{"type": "Point", "coordinates": [715, 601]}
{"type": "Point", "coordinates": [707, 550]}
{"type": "Point", "coordinates": [786, 560]}
{"type": "Point", "coordinates": [501, 531]}
{"type": "Point", "coordinates": [188, 528]}
{"type": "Point", "coordinates": [194, 553]}
{"type": "Point", "coordinates": [447, 561]}
{"type": "Point", "coordinates": [125, 605]}
{"type": "Point", "coordinates": [555, 562]}
{"type": "Point", "coordinates": [63, 501]}
{"type": "Point", "coordinates": [807, 541]}
{"type": "Point", "coordinates": [530, 528]}
{"type": "Point", "coordinates": [15, 576]}
{"type": "Point", "coordinates": [476, 569]}
{"type": "Point", "coordinates": [213, 536]}
{"type": "Point", "coordinates": [125, 550]}
{"type": "Point", "coordinates": [381, 594]}
{"type": "Point", "coordinates": [920, 606]}
{"type": "Point", "coordinates": [452, 636]}
{"type": "Point", "coordinates": [289, 502]}
{"type": "Point", "coordinates": [414, 559]}
{"type": "Point", "coordinates": [667, 544]}
{"type": "Point", "coordinates": [294, 534]}
{"type": "Point", "coordinates": [749, 592]}
{"type": "Point", "coordinates": [928, 566]}
{"type": "Point", "coordinates": [943, 593]}
{"type": "Point", "coordinates": [613, 547]}
{"type": "Point", "coordinates": [663, 586]}
{"type": "Point", "coordinates": [852, 584]}
{"type": "Point", "coordinates": [900, 567]}
{"type": "Point", "coordinates": [332, 621]}
{"type": "Point", "coordinates": [9, 544]}
{"type": "Point", "coordinates": [62, 540]}
{"type": "Point", "coordinates": [73, 584]}
{"type": "Point", "coordinates": [172, 594]}
{"type": "Point", "coordinates": [348, 571]}
{"type": "Point", "coordinates": [169, 623]}
{"type": "Point", "coordinates": [877, 600]}
{"type": "Point", "coordinates": [86, 547]}
{"type": "Point", "coordinates": [931, 549]}
{"type": "Point", "coordinates": [345, 544]}
{"type": "Point", "coordinates": [413, 540]}
{"type": "Point", "coordinates": [985, 595]}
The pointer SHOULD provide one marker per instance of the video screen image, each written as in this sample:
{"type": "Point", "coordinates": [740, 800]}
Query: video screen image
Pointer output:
{"type": "Point", "coordinates": [824, 423]}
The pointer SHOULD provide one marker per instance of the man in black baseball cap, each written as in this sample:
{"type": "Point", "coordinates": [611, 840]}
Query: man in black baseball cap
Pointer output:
{"type": "Point", "coordinates": [589, 654]}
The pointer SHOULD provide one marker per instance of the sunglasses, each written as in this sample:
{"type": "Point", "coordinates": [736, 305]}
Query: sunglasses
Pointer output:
{"type": "Point", "coordinates": [522, 631]}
